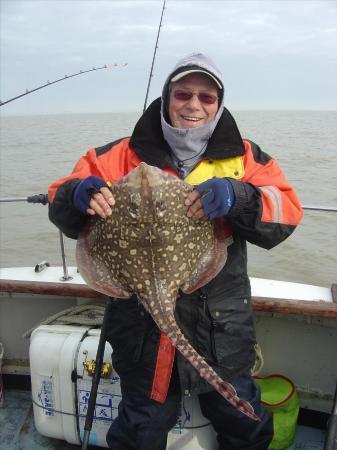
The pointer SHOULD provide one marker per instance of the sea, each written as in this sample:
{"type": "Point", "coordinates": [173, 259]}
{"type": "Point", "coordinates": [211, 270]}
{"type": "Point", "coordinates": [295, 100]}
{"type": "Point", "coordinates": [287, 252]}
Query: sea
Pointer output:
{"type": "Point", "coordinates": [36, 150]}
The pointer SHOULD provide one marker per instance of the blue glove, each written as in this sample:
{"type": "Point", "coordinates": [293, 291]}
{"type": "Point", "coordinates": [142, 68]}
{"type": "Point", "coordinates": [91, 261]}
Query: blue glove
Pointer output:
{"type": "Point", "coordinates": [217, 197]}
{"type": "Point", "coordinates": [84, 190]}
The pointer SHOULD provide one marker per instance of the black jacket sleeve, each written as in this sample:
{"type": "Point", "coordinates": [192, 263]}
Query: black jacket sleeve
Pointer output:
{"type": "Point", "coordinates": [245, 218]}
{"type": "Point", "coordinates": [63, 214]}
{"type": "Point", "coordinates": [266, 209]}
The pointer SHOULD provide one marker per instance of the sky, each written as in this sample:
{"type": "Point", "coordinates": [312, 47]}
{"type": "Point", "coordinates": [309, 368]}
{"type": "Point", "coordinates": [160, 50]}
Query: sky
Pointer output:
{"type": "Point", "coordinates": [273, 54]}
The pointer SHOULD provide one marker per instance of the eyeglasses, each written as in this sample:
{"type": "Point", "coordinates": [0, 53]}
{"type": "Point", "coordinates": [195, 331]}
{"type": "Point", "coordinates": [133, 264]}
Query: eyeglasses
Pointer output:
{"type": "Point", "coordinates": [204, 97]}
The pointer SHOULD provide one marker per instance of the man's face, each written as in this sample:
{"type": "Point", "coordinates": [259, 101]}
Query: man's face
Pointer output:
{"type": "Point", "coordinates": [193, 101]}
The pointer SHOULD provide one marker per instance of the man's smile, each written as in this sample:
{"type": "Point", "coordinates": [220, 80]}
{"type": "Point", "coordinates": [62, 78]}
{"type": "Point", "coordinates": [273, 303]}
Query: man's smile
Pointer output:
{"type": "Point", "coordinates": [193, 119]}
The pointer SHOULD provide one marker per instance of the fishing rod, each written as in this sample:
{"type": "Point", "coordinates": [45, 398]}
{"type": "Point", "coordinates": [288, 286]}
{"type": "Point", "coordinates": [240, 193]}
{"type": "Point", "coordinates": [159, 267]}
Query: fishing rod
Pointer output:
{"type": "Point", "coordinates": [320, 208]}
{"type": "Point", "coordinates": [154, 57]}
{"type": "Point", "coordinates": [43, 199]}
{"type": "Point", "coordinates": [104, 328]}
{"type": "Point", "coordinates": [66, 77]}
{"type": "Point", "coordinates": [38, 198]}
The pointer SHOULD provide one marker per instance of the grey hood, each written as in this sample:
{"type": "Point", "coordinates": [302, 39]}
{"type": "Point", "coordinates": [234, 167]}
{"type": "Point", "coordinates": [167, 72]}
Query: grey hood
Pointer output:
{"type": "Point", "coordinates": [189, 144]}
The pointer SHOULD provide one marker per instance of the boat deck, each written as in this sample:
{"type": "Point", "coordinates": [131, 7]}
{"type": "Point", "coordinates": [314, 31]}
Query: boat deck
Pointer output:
{"type": "Point", "coordinates": [17, 431]}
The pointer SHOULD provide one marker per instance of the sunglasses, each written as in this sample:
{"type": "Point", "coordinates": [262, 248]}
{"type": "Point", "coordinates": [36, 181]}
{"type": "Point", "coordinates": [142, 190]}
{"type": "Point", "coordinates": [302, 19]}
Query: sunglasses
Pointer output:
{"type": "Point", "coordinates": [185, 96]}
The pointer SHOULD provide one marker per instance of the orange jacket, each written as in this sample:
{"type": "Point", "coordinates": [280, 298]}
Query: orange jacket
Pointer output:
{"type": "Point", "coordinates": [265, 212]}
{"type": "Point", "coordinates": [279, 201]}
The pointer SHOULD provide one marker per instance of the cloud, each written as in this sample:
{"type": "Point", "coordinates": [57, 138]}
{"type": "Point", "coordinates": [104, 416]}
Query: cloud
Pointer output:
{"type": "Point", "coordinates": [256, 43]}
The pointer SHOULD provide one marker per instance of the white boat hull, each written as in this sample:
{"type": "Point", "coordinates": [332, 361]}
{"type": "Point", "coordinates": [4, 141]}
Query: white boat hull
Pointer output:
{"type": "Point", "coordinates": [296, 325]}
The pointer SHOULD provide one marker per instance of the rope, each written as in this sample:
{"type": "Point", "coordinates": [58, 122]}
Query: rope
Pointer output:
{"type": "Point", "coordinates": [89, 314]}
{"type": "Point", "coordinates": [259, 361]}
{"type": "Point", "coordinates": [53, 410]}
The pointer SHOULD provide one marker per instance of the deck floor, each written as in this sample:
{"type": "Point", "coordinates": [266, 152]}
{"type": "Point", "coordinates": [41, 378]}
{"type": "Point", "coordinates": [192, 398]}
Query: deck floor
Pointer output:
{"type": "Point", "coordinates": [17, 431]}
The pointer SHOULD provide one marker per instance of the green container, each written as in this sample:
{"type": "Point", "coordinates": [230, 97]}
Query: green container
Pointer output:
{"type": "Point", "coordinates": [279, 396]}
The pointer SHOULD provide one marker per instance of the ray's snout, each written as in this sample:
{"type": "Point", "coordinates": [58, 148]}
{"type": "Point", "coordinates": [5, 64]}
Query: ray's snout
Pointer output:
{"type": "Point", "coordinates": [149, 176]}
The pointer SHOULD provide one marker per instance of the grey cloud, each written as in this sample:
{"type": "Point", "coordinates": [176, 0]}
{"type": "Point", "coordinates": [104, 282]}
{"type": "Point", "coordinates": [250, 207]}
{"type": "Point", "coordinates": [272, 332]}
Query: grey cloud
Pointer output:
{"type": "Point", "coordinates": [256, 43]}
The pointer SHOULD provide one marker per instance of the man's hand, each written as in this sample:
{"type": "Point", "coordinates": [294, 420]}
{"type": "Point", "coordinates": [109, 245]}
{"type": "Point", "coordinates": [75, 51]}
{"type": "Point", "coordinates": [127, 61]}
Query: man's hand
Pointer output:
{"type": "Point", "coordinates": [93, 196]}
{"type": "Point", "coordinates": [195, 207]}
{"type": "Point", "coordinates": [212, 199]}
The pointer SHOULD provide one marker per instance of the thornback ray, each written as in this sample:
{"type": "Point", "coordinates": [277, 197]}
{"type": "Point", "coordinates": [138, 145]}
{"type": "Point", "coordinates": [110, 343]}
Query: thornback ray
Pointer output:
{"type": "Point", "coordinates": [151, 248]}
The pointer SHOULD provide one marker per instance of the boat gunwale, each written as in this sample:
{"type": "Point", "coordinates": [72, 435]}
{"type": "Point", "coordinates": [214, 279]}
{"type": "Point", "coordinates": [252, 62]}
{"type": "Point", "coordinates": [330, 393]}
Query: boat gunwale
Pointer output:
{"type": "Point", "coordinates": [318, 307]}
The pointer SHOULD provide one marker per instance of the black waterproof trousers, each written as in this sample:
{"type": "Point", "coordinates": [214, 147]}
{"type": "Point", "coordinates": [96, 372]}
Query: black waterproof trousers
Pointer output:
{"type": "Point", "coordinates": [143, 424]}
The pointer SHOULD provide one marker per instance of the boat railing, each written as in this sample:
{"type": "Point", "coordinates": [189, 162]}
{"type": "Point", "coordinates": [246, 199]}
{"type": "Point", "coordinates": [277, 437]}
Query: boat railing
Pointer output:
{"type": "Point", "coordinates": [261, 304]}
{"type": "Point", "coordinates": [43, 200]}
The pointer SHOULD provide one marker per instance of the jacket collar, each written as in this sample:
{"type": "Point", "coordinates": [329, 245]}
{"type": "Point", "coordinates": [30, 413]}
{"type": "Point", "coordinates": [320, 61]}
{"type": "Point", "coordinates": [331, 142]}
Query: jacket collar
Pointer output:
{"type": "Point", "coordinates": [148, 141]}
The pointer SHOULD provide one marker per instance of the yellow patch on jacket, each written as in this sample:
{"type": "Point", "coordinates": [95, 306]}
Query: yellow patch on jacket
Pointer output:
{"type": "Point", "coordinates": [229, 167]}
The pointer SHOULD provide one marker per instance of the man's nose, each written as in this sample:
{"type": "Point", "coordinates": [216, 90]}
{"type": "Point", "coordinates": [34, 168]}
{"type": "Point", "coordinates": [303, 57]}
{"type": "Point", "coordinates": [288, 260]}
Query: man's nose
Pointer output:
{"type": "Point", "coordinates": [194, 101]}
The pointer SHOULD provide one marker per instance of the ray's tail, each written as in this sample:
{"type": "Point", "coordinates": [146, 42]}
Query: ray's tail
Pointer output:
{"type": "Point", "coordinates": [224, 388]}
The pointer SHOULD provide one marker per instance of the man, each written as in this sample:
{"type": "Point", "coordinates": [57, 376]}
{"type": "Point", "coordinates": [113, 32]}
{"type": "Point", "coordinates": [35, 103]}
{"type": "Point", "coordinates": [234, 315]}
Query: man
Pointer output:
{"type": "Point", "coordinates": [188, 132]}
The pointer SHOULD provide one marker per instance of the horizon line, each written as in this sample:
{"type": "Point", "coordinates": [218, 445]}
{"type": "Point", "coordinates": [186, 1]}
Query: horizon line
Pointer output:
{"type": "Point", "coordinates": [140, 112]}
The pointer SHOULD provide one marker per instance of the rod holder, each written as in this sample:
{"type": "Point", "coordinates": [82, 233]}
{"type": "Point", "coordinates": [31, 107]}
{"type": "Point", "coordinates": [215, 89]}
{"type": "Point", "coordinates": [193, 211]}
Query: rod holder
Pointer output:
{"type": "Point", "coordinates": [66, 276]}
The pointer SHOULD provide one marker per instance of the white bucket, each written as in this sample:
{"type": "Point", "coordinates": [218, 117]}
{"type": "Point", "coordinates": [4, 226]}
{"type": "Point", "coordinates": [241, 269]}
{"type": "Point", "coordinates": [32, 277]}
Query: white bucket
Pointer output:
{"type": "Point", "coordinates": [55, 352]}
{"type": "Point", "coordinates": [2, 390]}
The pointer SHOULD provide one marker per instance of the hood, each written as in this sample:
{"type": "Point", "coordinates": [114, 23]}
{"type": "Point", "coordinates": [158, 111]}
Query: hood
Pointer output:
{"type": "Point", "coordinates": [188, 144]}
{"type": "Point", "coordinates": [196, 62]}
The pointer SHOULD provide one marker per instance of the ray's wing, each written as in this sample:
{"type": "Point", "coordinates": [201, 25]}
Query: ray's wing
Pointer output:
{"type": "Point", "coordinates": [93, 268]}
{"type": "Point", "coordinates": [211, 263]}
